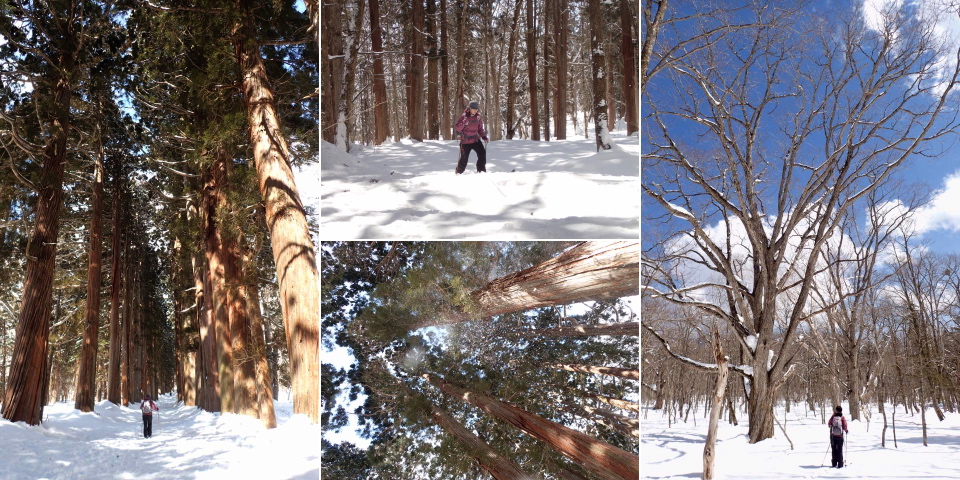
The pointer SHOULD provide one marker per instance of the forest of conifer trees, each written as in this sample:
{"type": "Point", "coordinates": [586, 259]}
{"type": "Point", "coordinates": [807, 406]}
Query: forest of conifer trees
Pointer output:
{"type": "Point", "coordinates": [153, 236]}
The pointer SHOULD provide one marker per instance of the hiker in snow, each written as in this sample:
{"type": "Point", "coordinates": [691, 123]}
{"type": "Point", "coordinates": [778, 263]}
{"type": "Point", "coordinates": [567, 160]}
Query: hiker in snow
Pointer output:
{"type": "Point", "coordinates": [147, 407]}
{"type": "Point", "coordinates": [838, 426]}
{"type": "Point", "coordinates": [470, 131]}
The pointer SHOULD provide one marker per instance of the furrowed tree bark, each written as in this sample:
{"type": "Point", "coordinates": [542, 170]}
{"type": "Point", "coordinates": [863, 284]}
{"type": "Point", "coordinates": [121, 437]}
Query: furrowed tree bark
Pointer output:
{"type": "Point", "coordinates": [561, 15]}
{"type": "Point", "coordinates": [433, 99]}
{"type": "Point", "coordinates": [590, 271]}
{"type": "Point", "coordinates": [611, 371]}
{"type": "Point", "coordinates": [381, 116]}
{"type": "Point", "coordinates": [216, 254]}
{"type": "Point", "coordinates": [627, 51]}
{"type": "Point", "coordinates": [598, 63]}
{"type": "Point", "coordinates": [22, 397]}
{"type": "Point", "coordinates": [512, 69]}
{"type": "Point", "coordinates": [293, 249]}
{"type": "Point", "coordinates": [625, 329]}
{"type": "Point", "coordinates": [244, 366]}
{"type": "Point", "coordinates": [113, 370]}
{"type": "Point", "coordinates": [461, 102]}
{"type": "Point", "coordinates": [209, 374]}
{"type": "Point", "coordinates": [605, 460]}
{"type": "Point", "coordinates": [264, 379]}
{"type": "Point", "coordinates": [548, 9]}
{"type": "Point", "coordinates": [125, 329]}
{"type": "Point", "coordinates": [717, 407]}
{"type": "Point", "coordinates": [415, 74]}
{"type": "Point", "coordinates": [87, 375]}
{"type": "Point", "coordinates": [486, 457]}
{"type": "Point", "coordinates": [532, 73]}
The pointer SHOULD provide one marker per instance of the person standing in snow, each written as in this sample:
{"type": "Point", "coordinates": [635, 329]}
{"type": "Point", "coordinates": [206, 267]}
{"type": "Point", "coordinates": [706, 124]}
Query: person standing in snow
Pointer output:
{"type": "Point", "coordinates": [470, 131]}
{"type": "Point", "coordinates": [147, 407]}
{"type": "Point", "coordinates": [838, 426]}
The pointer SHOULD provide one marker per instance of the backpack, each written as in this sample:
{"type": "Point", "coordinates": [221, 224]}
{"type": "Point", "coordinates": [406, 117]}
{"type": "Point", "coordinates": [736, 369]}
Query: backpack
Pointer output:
{"type": "Point", "coordinates": [836, 426]}
{"type": "Point", "coordinates": [146, 408]}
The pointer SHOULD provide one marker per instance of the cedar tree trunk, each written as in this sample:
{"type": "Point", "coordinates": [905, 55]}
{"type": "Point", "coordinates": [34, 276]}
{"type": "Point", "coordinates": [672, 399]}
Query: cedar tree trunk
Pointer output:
{"type": "Point", "coordinates": [293, 250]}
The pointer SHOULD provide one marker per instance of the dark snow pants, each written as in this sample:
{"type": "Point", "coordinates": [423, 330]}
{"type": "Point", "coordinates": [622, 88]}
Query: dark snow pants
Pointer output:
{"type": "Point", "coordinates": [465, 156]}
{"type": "Point", "coordinates": [147, 425]}
{"type": "Point", "coordinates": [836, 444]}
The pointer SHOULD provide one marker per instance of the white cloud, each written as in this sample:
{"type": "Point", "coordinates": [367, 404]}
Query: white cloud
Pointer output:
{"type": "Point", "coordinates": [943, 211]}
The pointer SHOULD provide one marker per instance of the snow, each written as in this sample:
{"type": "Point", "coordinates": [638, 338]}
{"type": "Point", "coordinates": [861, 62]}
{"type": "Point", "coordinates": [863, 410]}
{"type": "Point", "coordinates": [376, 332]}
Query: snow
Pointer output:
{"type": "Point", "coordinates": [751, 342]}
{"type": "Point", "coordinates": [676, 452]}
{"type": "Point", "coordinates": [533, 190]}
{"type": "Point", "coordinates": [187, 443]}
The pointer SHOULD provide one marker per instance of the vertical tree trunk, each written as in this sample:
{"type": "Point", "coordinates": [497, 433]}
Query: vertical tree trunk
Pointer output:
{"type": "Point", "coordinates": [264, 380]}
{"type": "Point", "coordinates": [547, 59]}
{"type": "Point", "coordinates": [293, 250]}
{"type": "Point", "coordinates": [415, 74]}
{"type": "Point", "coordinates": [599, 457]}
{"type": "Point", "coordinates": [598, 62]}
{"type": "Point", "coordinates": [113, 370]}
{"type": "Point", "coordinates": [210, 374]}
{"type": "Point", "coordinates": [125, 328]}
{"type": "Point", "coordinates": [532, 73]}
{"type": "Point", "coordinates": [627, 51]}
{"type": "Point", "coordinates": [22, 398]}
{"type": "Point", "coordinates": [462, 101]}
{"type": "Point", "coordinates": [87, 375]}
{"type": "Point", "coordinates": [445, 82]}
{"type": "Point", "coordinates": [381, 115]}
{"type": "Point", "coordinates": [332, 66]}
{"type": "Point", "coordinates": [216, 271]}
{"type": "Point", "coordinates": [716, 408]}
{"type": "Point", "coordinates": [345, 103]}
{"type": "Point", "coordinates": [433, 100]}
{"type": "Point", "coordinates": [512, 69]}
{"type": "Point", "coordinates": [486, 457]}
{"type": "Point", "coordinates": [562, 11]}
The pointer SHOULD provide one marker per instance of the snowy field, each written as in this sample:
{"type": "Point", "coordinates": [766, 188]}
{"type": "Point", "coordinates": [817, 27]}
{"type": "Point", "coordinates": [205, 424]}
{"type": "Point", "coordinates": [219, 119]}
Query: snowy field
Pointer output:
{"type": "Point", "coordinates": [187, 443]}
{"type": "Point", "coordinates": [677, 452]}
{"type": "Point", "coordinates": [533, 190]}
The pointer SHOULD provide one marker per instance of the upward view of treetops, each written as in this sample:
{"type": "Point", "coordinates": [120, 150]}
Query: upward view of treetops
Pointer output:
{"type": "Point", "coordinates": [469, 360]}
{"type": "Point", "coordinates": [153, 236]}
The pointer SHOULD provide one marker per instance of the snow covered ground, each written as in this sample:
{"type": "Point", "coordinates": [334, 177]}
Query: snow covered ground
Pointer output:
{"type": "Point", "coordinates": [533, 190]}
{"type": "Point", "coordinates": [677, 452]}
{"type": "Point", "coordinates": [187, 444]}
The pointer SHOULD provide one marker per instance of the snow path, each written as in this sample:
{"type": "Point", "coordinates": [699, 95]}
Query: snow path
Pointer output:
{"type": "Point", "coordinates": [186, 443]}
{"type": "Point", "coordinates": [533, 190]}
{"type": "Point", "coordinates": [676, 452]}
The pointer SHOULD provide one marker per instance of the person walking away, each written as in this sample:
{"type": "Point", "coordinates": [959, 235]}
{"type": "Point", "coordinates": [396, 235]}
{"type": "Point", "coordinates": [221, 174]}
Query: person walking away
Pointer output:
{"type": "Point", "coordinates": [838, 426]}
{"type": "Point", "coordinates": [147, 407]}
{"type": "Point", "coordinates": [470, 131]}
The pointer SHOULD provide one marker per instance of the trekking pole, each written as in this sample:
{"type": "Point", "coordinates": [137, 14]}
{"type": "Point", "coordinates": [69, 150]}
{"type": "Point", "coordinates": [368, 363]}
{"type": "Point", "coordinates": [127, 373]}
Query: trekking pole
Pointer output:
{"type": "Point", "coordinates": [846, 447]}
{"type": "Point", "coordinates": [825, 455]}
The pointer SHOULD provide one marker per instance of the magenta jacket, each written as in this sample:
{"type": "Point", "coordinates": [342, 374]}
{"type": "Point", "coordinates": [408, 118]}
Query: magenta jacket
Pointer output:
{"type": "Point", "coordinates": [470, 128]}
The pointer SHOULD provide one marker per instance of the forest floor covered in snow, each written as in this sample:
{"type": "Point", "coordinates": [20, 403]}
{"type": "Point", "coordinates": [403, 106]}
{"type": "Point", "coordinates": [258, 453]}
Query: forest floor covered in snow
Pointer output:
{"type": "Point", "coordinates": [533, 190]}
{"type": "Point", "coordinates": [676, 452]}
{"type": "Point", "coordinates": [187, 443]}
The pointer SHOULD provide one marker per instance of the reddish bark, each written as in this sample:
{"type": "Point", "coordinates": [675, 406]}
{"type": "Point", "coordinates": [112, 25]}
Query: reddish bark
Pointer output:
{"type": "Point", "coordinates": [293, 249]}
{"type": "Point", "coordinates": [589, 271]}
{"type": "Point", "coordinates": [601, 458]}
{"type": "Point", "coordinates": [87, 374]}
{"type": "Point", "coordinates": [24, 389]}
{"type": "Point", "coordinates": [216, 272]}
{"type": "Point", "coordinates": [380, 117]}
{"type": "Point", "coordinates": [631, 107]}
{"type": "Point", "coordinates": [264, 382]}
{"type": "Point", "coordinates": [486, 457]}
{"type": "Point", "coordinates": [113, 367]}
{"type": "Point", "coordinates": [532, 73]}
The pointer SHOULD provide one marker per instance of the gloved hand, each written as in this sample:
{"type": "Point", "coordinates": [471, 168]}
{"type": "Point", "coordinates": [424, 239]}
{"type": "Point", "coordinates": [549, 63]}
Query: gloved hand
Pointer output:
{"type": "Point", "coordinates": [485, 141]}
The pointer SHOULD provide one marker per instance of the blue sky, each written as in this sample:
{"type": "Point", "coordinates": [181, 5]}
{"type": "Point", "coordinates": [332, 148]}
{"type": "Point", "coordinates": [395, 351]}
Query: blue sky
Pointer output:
{"type": "Point", "coordinates": [936, 177]}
